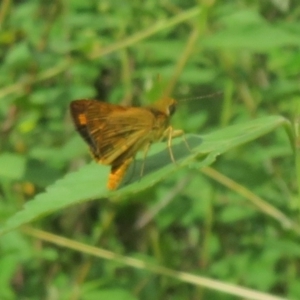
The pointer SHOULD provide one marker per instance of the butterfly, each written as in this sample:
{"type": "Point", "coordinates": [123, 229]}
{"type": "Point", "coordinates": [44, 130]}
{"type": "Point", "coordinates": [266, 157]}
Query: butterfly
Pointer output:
{"type": "Point", "coordinates": [116, 133]}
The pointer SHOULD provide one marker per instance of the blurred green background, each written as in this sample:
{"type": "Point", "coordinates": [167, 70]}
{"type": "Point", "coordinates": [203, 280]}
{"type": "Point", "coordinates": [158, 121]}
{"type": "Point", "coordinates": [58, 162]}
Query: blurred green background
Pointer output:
{"type": "Point", "coordinates": [53, 52]}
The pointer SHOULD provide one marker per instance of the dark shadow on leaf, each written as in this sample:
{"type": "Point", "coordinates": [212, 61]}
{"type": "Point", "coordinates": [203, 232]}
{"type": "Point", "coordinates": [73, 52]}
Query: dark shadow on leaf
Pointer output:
{"type": "Point", "coordinates": [157, 161]}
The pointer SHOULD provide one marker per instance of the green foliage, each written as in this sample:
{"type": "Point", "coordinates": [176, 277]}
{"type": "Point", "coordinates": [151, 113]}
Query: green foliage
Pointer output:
{"type": "Point", "coordinates": [181, 225]}
{"type": "Point", "coordinates": [83, 185]}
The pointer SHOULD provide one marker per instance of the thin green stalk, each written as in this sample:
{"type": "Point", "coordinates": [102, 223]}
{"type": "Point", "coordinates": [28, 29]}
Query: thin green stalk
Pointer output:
{"type": "Point", "coordinates": [297, 148]}
{"type": "Point", "coordinates": [226, 111]}
{"type": "Point", "coordinates": [263, 206]}
{"type": "Point", "coordinates": [155, 269]}
{"type": "Point", "coordinates": [159, 26]}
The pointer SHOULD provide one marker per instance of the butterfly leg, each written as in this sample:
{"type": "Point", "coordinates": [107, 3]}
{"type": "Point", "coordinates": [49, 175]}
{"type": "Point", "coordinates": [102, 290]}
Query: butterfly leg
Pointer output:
{"type": "Point", "coordinates": [179, 132]}
{"type": "Point", "coordinates": [146, 149]}
{"type": "Point", "coordinates": [182, 134]}
{"type": "Point", "coordinates": [170, 133]}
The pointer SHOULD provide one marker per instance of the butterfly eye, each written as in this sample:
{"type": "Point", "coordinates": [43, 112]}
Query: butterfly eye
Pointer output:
{"type": "Point", "coordinates": [172, 109]}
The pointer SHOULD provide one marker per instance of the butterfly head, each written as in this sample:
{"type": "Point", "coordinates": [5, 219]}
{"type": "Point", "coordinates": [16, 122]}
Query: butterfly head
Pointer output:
{"type": "Point", "coordinates": [166, 105]}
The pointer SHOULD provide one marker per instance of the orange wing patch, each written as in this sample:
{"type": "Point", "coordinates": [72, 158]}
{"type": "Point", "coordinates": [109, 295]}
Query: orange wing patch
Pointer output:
{"type": "Point", "coordinates": [117, 173]}
{"type": "Point", "coordinates": [82, 119]}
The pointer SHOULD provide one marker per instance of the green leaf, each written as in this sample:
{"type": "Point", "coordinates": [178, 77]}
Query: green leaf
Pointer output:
{"type": "Point", "coordinates": [257, 37]}
{"type": "Point", "coordinates": [90, 181]}
{"type": "Point", "coordinates": [12, 166]}
{"type": "Point", "coordinates": [19, 54]}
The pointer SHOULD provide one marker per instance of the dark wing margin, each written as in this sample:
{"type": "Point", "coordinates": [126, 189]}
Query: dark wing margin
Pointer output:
{"type": "Point", "coordinates": [90, 115]}
{"type": "Point", "coordinates": [78, 113]}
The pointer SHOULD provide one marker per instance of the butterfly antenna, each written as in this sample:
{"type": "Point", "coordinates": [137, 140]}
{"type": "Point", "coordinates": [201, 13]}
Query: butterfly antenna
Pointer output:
{"type": "Point", "coordinates": [203, 97]}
